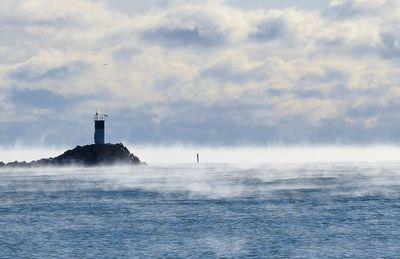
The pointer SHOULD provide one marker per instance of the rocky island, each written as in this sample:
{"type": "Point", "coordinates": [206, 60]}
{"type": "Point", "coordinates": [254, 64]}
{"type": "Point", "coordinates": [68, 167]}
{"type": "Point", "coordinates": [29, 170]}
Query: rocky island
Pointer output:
{"type": "Point", "coordinates": [97, 154]}
{"type": "Point", "coordinates": [88, 155]}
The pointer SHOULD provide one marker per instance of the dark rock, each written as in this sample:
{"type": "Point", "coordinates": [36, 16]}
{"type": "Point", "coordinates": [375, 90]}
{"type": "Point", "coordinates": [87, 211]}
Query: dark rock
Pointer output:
{"type": "Point", "coordinates": [89, 155]}
{"type": "Point", "coordinates": [17, 164]}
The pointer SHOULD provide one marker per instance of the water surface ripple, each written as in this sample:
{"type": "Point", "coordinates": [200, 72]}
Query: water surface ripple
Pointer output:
{"type": "Point", "coordinates": [279, 210]}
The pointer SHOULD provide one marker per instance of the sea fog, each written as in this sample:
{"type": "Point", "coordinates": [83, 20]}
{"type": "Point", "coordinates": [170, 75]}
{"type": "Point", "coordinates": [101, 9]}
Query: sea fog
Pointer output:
{"type": "Point", "coordinates": [186, 154]}
{"type": "Point", "coordinates": [242, 202]}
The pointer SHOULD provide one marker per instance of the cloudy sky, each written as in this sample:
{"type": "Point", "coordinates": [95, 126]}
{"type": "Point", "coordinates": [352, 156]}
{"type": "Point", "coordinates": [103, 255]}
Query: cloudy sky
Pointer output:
{"type": "Point", "coordinates": [232, 72]}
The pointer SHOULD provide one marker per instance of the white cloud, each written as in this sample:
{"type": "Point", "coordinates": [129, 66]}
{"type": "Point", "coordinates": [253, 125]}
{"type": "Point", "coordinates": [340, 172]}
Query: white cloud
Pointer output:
{"type": "Point", "coordinates": [308, 65]}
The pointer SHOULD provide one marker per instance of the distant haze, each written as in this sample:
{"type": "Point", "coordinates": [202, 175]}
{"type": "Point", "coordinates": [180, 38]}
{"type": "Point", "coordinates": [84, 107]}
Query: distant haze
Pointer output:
{"type": "Point", "coordinates": [226, 73]}
{"type": "Point", "coordinates": [256, 155]}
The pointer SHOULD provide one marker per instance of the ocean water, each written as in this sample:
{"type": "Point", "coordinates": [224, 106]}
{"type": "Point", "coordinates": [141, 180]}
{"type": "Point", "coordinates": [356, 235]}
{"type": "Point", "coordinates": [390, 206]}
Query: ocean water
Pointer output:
{"type": "Point", "coordinates": [276, 210]}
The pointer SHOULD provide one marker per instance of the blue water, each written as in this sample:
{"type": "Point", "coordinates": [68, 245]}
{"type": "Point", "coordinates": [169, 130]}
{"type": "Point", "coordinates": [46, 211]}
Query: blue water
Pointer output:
{"type": "Point", "coordinates": [275, 211]}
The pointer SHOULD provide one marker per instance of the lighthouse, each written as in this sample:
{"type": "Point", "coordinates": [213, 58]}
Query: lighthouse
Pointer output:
{"type": "Point", "coordinates": [99, 128]}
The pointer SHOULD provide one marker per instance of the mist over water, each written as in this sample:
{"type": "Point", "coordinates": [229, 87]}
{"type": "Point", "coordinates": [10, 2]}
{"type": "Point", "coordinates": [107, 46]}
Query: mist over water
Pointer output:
{"type": "Point", "coordinates": [186, 154]}
{"type": "Point", "coordinates": [266, 154]}
{"type": "Point", "coordinates": [312, 209]}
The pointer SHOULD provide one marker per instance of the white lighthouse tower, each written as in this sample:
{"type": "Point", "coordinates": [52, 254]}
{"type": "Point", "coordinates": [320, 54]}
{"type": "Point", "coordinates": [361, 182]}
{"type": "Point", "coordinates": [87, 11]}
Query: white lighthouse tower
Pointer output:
{"type": "Point", "coordinates": [99, 128]}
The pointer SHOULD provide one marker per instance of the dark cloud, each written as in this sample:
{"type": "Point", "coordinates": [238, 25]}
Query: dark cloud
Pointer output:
{"type": "Point", "coordinates": [331, 43]}
{"type": "Point", "coordinates": [218, 125]}
{"type": "Point", "coordinates": [125, 54]}
{"type": "Point", "coordinates": [382, 110]}
{"type": "Point", "coordinates": [27, 73]}
{"type": "Point", "coordinates": [305, 94]}
{"type": "Point", "coordinates": [51, 129]}
{"type": "Point", "coordinates": [232, 73]}
{"type": "Point", "coordinates": [198, 124]}
{"type": "Point", "coordinates": [387, 46]}
{"type": "Point", "coordinates": [270, 29]}
{"type": "Point", "coordinates": [341, 92]}
{"type": "Point", "coordinates": [185, 37]}
{"type": "Point", "coordinates": [167, 84]}
{"type": "Point", "coordinates": [275, 92]}
{"type": "Point", "coordinates": [312, 85]}
{"type": "Point", "coordinates": [184, 30]}
{"type": "Point", "coordinates": [347, 9]}
{"type": "Point", "coordinates": [195, 123]}
{"type": "Point", "coordinates": [30, 98]}
{"type": "Point", "coordinates": [328, 75]}
{"type": "Point", "coordinates": [390, 45]}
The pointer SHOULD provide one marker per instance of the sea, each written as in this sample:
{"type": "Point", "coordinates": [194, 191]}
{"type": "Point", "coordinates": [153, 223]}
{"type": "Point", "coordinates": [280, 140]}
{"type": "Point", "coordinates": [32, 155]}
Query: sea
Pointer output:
{"type": "Point", "coordinates": [323, 209]}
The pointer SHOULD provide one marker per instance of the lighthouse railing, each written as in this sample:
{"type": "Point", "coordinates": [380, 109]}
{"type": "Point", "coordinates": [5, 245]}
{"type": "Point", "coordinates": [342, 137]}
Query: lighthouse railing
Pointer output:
{"type": "Point", "coordinates": [100, 117]}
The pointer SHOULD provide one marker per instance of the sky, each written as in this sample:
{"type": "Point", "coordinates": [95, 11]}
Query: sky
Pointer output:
{"type": "Point", "coordinates": [227, 73]}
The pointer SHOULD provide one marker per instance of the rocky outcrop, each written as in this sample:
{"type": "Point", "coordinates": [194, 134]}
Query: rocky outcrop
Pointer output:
{"type": "Point", "coordinates": [89, 155]}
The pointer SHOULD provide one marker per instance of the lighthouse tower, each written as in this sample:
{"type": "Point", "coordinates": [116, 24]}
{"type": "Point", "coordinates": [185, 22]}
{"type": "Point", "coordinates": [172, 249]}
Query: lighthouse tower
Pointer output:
{"type": "Point", "coordinates": [99, 129]}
